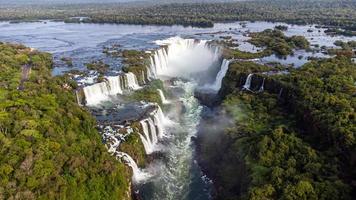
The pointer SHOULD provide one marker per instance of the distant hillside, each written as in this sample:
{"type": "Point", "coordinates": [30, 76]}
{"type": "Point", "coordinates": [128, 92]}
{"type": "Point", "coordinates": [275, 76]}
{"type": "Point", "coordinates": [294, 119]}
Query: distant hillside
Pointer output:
{"type": "Point", "coordinates": [46, 2]}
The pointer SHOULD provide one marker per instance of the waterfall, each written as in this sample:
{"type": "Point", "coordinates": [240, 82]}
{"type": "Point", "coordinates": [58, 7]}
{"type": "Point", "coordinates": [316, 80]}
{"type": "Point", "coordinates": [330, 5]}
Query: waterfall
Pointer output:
{"type": "Point", "coordinates": [158, 124]}
{"type": "Point", "coordinates": [160, 61]}
{"type": "Point", "coordinates": [146, 139]}
{"type": "Point", "coordinates": [248, 82]}
{"type": "Point", "coordinates": [96, 93]}
{"type": "Point", "coordinates": [132, 82]}
{"type": "Point", "coordinates": [280, 93]}
{"type": "Point", "coordinates": [153, 69]}
{"type": "Point", "coordinates": [262, 86]}
{"type": "Point", "coordinates": [150, 138]}
{"type": "Point", "coordinates": [78, 99]}
{"type": "Point", "coordinates": [219, 77]}
{"type": "Point", "coordinates": [167, 60]}
{"type": "Point", "coordinates": [216, 53]}
{"type": "Point", "coordinates": [138, 174]}
{"type": "Point", "coordinates": [153, 129]}
{"type": "Point", "coordinates": [162, 119]}
{"type": "Point", "coordinates": [163, 98]}
{"type": "Point", "coordinates": [113, 144]}
{"type": "Point", "coordinates": [149, 73]}
{"type": "Point", "coordinates": [114, 85]}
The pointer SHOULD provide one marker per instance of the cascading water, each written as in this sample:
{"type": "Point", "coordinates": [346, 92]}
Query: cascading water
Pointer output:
{"type": "Point", "coordinates": [132, 82]}
{"type": "Point", "coordinates": [114, 85]}
{"type": "Point", "coordinates": [163, 98]}
{"type": "Point", "coordinates": [178, 174]}
{"type": "Point", "coordinates": [153, 130]}
{"type": "Point", "coordinates": [197, 57]}
{"type": "Point", "coordinates": [262, 86]}
{"type": "Point", "coordinates": [96, 93]}
{"type": "Point", "coordinates": [247, 84]}
{"type": "Point", "coordinates": [179, 177]}
{"type": "Point", "coordinates": [138, 174]}
{"type": "Point", "coordinates": [219, 77]}
{"type": "Point", "coordinates": [113, 144]}
{"type": "Point", "coordinates": [146, 139]}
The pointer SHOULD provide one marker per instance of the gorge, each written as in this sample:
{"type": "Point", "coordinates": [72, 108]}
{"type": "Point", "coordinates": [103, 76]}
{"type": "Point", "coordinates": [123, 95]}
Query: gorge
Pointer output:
{"type": "Point", "coordinates": [193, 113]}
{"type": "Point", "coordinates": [183, 65]}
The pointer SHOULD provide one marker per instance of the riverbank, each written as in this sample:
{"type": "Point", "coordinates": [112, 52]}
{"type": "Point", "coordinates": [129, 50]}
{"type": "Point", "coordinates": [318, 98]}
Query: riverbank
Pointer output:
{"type": "Point", "coordinates": [277, 138]}
{"type": "Point", "coordinates": [334, 14]}
{"type": "Point", "coordinates": [50, 145]}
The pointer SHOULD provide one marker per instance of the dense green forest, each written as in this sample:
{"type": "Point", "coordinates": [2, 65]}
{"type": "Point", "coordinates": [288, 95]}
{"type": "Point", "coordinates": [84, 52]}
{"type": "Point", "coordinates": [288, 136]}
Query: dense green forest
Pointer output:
{"type": "Point", "coordinates": [50, 148]}
{"type": "Point", "coordinates": [325, 12]}
{"type": "Point", "coordinates": [294, 140]}
{"type": "Point", "coordinates": [271, 42]}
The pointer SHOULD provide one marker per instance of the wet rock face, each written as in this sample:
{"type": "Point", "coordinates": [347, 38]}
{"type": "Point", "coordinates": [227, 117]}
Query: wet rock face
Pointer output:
{"type": "Point", "coordinates": [235, 81]}
{"type": "Point", "coordinates": [121, 116]}
{"type": "Point", "coordinates": [158, 155]}
{"type": "Point", "coordinates": [207, 98]}
{"type": "Point", "coordinates": [80, 96]}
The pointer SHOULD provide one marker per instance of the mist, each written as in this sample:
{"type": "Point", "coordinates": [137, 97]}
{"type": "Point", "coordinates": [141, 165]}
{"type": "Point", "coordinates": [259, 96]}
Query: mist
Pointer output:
{"type": "Point", "coordinates": [185, 58]}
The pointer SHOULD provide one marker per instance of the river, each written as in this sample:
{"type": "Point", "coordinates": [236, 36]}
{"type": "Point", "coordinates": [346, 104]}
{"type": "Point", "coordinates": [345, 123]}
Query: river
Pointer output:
{"type": "Point", "coordinates": [177, 176]}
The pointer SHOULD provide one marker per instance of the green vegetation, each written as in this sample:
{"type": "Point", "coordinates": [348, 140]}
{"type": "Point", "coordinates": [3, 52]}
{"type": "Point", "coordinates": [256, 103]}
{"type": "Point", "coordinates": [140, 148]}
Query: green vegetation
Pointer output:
{"type": "Point", "coordinates": [326, 12]}
{"type": "Point", "coordinates": [338, 31]}
{"type": "Point", "coordinates": [133, 145]}
{"type": "Point", "coordinates": [277, 42]}
{"type": "Point", "coordinates": [50, 148]}
{"type": "Point", "coordinates": [273, 41]}
{"type": "Point", "coordinates": [345, 45]}
{"type": "Point", "coordinates": [67, 61]}
{"type": "Point", "coordinates": [297, 144]}
{"type": "Point", "coordinates": [237, 54]}
{"type": "Point", "coordinates": [136, 62]}
{"type": "Point", "coordinates": [149, 93]}
{"type": "Point", "coordinates": [98, 66]}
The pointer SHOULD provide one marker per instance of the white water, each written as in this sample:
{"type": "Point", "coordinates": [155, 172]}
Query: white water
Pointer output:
{"type": "Point", "coordinates": [163, 98]}
{"type": "Point", "coordinates": [262, 86]}
{"type": "Point", "coordinates": [132, 82]}
{"type": "Point", "coordinates": [146, 139]}
{"type": "Point", "coordinates": [175, 176]}
{"type": "Point", "coordinates": [248, 82]}
{"type": "Point", "coordinates": [114, 85]}
{"type": "Point", "coordinates": [96, 93]}
{"type": "Point", "coordinates": [179, 172]}
{"type": "Point", "coordinates": [153, 130]}
{"type": "Point", "coordinates": [113, 148]}
{"type": "Point", "coordinates": [138, 174]}
{"type": "Point", "coordinates": [219, 77]}
{"type": "Point", "coordinates": [99, 92]}
{"type": "Point", "coordinates": [183, 57]}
